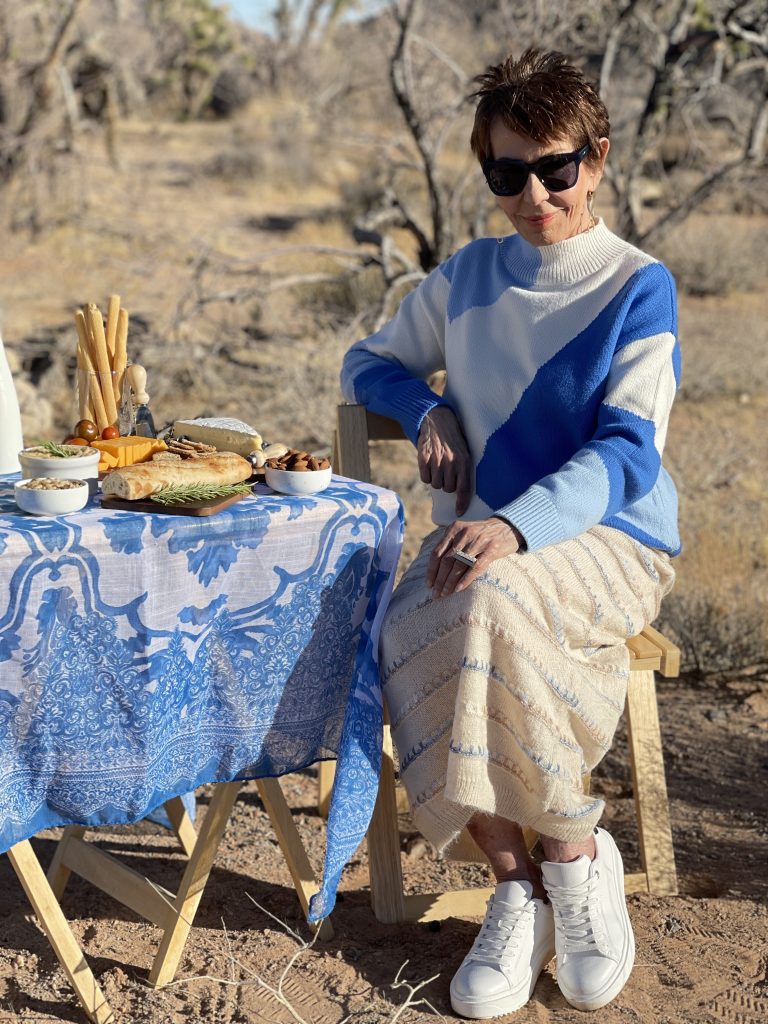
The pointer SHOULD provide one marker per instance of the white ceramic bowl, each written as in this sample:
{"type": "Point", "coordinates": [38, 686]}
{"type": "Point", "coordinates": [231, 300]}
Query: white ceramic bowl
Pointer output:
{"type": "Point", "coordinates": [51, 502]}
{"type": "Point", "coordinates": [78, 467]}
{"type": "Point", "coordinates": [287, 481]}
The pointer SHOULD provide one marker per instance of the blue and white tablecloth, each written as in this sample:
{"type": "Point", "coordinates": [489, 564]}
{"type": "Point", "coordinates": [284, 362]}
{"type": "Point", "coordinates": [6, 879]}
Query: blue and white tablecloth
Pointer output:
{"type": "Point", "coordinates": [142, 655]}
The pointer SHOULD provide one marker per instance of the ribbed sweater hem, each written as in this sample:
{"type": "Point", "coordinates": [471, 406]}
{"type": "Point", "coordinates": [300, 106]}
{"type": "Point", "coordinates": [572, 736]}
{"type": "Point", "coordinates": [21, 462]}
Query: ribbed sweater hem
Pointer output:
{"type": "Point", "coordinates": [535, 517]}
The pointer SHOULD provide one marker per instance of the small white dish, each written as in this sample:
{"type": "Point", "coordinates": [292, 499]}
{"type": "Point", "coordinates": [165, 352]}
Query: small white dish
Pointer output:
{"type": "Point", "coordinates": [288, 481]}
{"type": "Point", "coordinates": [83, 466]}
{"type": "Point", "coordinates": [53, 502]}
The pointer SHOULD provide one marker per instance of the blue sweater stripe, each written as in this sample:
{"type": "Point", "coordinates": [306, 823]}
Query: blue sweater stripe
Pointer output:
{"type": "Point", "coordinates": [564, 432]}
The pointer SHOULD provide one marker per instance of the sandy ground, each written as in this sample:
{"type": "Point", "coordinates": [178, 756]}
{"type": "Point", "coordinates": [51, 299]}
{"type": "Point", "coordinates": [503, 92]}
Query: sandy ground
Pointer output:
{"type": "Point", "coordinates": [701, 956]}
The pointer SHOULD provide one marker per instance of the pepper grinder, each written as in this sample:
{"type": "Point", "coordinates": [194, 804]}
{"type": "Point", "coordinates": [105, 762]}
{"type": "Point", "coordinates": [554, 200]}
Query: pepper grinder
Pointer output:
{"type": "Point", "coordinates": [144, 424]}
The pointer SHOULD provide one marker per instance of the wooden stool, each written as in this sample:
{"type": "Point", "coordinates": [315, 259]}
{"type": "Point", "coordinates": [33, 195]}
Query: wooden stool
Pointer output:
{"type": "Point", "coordinates": [649, 652]}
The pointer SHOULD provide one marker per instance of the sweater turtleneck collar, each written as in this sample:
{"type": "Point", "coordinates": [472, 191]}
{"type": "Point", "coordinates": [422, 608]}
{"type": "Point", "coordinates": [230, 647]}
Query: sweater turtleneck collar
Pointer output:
{"type": "Point", "coordinates": [561, 263]}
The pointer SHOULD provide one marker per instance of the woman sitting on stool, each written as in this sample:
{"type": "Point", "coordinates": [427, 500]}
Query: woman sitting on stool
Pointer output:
{"type": "Point", "coordinates": [503, 655]}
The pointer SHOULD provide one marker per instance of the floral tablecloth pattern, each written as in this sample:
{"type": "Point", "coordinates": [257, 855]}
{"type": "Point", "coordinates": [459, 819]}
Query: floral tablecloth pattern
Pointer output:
{"type": "Point", "coordinates": [142, 655]}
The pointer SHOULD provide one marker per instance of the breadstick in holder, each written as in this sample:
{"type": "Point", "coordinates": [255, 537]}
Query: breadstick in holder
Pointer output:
{"type": "Point", "coordinates": [113, 313]}
{"type": "Point", "coordinates": [89, 380]}
{"type": "Point", "coordinates": [100, 357]}
{"type": "Point", "coordinates": [84, 404]}
{"type": "Point", "coordinates": [121, 354]}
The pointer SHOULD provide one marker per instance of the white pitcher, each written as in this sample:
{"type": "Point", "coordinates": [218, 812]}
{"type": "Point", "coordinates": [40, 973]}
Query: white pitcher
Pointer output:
{"type": "Point", "coordinates": [10, 418]}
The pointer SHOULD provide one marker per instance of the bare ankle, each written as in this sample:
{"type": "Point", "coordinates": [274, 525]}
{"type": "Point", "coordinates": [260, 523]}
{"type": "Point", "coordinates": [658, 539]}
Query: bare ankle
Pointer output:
{"type": "Point", "coordinates": [560, 853]}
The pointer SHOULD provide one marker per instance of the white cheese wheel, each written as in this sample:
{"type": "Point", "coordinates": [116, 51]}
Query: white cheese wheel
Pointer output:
{"type": "Point", "coordinates": [225, 435]}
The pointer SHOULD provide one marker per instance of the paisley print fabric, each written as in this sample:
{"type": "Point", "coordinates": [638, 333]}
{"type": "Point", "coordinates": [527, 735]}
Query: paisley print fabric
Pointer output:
{"type": "Point", "coordinates": [143, 655]}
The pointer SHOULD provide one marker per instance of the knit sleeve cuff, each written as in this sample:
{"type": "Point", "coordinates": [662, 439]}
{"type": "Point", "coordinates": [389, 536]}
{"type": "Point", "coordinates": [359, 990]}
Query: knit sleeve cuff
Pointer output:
{"type": "Point", "coordinates": [535, 517]}
{"type": "Point", "coordinates": [409, 404]}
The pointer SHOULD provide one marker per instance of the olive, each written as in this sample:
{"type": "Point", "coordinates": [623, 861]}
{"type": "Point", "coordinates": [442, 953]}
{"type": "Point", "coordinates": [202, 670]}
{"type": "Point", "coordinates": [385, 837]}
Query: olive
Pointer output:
{"type": "Point", "coordinates": [86, 429]}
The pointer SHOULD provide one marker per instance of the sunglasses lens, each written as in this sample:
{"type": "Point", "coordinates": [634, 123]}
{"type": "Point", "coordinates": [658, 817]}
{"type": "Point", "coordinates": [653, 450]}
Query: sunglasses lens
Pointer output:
{"type": "Point", "coordinates": [506, 180]}
{"type": "Point", "coordinates": [557, 176]}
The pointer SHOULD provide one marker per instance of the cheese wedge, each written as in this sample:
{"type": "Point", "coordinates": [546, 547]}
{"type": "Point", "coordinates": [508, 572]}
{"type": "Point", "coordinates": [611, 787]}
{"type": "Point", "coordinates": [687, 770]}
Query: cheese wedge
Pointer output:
{"type": "Point", "coordinates": [127, 451]}
{"type": "Point", "coordinates": [107, 461]}
{"type": "Point", "coordinates": [224, 434]}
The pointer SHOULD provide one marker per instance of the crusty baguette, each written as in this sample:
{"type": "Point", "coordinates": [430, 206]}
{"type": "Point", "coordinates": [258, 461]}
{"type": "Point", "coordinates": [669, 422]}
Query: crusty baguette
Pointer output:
{"type": "Point", "coordinates": [139, 481]}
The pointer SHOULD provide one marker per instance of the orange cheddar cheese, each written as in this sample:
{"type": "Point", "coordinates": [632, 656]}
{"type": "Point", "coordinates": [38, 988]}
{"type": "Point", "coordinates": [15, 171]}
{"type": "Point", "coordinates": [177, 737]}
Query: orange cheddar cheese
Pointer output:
{"type": "Point", "coordinates": [107, 461]}
{"type": "Point", "coordinates": [127, 451]}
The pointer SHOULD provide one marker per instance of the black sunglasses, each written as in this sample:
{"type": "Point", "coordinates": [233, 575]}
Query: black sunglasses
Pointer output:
{"type": "Point", "coordinates": [556, 172]}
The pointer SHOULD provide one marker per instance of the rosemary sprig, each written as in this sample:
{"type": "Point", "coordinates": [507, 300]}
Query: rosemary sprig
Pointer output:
{"type": "Point", "coordinates": [197, 492]}
{"type": "Point", "coordinates": [55, 450]}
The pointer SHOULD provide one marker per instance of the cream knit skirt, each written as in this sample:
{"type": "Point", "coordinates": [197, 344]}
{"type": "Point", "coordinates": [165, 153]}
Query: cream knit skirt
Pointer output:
{"type": "Point", "coordinates": [502, 696]}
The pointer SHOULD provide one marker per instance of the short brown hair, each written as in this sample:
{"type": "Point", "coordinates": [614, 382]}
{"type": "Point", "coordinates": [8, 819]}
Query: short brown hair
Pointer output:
{"type": "Point", "coordinates": [541, 95]}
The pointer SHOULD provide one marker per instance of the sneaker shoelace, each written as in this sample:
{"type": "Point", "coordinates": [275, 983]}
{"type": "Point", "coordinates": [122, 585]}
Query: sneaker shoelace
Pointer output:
{"type": "Point", "coordinates": [503, 929]}
{"type": "Point", "coordinates": [578, 917]}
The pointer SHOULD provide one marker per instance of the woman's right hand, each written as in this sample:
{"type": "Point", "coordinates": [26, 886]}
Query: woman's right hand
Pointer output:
{"type": "Point", "coordinates": [444, 460]}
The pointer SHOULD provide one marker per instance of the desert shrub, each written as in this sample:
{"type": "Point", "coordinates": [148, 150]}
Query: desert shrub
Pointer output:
{"type": "Point", "coordinates": [236, 163]}
{"type": "Point", "coordinates": [708, 257]}
{"type": "Point", "coordinates": [232, 89]}
{"type": "Point", "coordinates": [344, 298]}
{"type": "Point", "coordinates": [714, 640]}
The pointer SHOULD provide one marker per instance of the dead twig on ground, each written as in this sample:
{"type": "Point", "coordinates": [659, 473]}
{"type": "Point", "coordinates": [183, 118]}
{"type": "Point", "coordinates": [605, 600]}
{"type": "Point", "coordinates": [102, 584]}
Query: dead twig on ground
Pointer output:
{"type": "Point", "coordinates": [410, 1003]}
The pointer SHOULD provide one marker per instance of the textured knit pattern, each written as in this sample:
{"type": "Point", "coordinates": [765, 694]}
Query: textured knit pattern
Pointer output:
{"type": "Point", "coordinates": [562, 364]}
{"type": "Point", "coordinates": [503, 695]}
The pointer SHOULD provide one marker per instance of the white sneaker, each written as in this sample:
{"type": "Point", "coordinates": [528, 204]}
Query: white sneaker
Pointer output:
{"type": "Point", "coordinates": [593, 933]}
{"type": "Point", "coordinates": [516, 940]}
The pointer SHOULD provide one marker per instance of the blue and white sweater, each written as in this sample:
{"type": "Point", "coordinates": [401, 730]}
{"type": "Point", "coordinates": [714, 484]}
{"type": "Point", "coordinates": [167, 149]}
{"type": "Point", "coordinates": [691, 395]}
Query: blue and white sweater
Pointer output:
{"type": "Point", "coordinates": [562, 364]}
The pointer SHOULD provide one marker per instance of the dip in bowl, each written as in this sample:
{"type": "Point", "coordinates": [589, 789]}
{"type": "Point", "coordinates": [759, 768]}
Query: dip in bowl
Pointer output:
{"type": "Point", "coordinates": [79, 463]}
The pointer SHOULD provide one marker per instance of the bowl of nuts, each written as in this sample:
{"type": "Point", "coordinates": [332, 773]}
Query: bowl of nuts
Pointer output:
{"type": "Point", "coordinates": [297, 472]}
{"type": "Point", "coordinates": [51, 496]}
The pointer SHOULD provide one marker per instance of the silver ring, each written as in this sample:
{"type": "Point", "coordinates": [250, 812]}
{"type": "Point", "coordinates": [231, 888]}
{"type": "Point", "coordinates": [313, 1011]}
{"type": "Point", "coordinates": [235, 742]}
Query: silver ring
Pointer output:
{"type": "Point", "coordinates": [463, 557]}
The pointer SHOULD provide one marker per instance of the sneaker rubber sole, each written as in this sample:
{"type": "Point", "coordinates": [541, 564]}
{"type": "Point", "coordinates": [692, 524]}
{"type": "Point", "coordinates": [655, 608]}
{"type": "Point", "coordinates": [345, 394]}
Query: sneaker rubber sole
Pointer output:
{"type": "Point", "coordinates": [498, 1006]}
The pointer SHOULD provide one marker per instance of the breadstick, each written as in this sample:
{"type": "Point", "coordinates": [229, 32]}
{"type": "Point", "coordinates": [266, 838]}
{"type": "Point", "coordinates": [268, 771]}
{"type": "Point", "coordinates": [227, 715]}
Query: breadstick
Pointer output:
{"type": "Point", "coordinates": [113, 311]}
{"type": "Point", "coordinates": [83, 376]}
{"type": "Point", "coordinates": [98, 339]}
{"type": "Point", "coordinates": [121, 354]}
{"type": "Point", "coordinates": [94, 391]}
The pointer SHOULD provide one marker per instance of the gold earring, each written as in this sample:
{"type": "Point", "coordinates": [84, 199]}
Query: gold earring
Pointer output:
{"type": "Point", "coordinates": [590, 203]}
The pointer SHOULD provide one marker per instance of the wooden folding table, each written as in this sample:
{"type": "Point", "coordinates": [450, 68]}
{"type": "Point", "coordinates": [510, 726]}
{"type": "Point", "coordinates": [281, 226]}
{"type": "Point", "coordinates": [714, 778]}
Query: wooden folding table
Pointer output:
{"type": "Point", "coordinates": [173, 913]}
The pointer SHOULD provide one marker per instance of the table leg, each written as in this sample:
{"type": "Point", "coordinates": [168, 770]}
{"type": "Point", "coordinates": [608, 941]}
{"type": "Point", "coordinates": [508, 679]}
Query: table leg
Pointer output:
{"type": "Point", "coordinates": [63, 942]}
{"type": "Point", "coordinates": [193, 883]}
{"type": "Point", "coordinates": [58, 872]}
{"type": "Point", "coordinates": [181, 824]}
{"type": "Point", "coordinates": [304, 880]}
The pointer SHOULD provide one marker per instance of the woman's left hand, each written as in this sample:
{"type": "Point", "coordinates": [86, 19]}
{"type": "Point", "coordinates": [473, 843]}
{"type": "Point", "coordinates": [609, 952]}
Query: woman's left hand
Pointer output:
{"type": "Point", "coordinates": [485, 539]}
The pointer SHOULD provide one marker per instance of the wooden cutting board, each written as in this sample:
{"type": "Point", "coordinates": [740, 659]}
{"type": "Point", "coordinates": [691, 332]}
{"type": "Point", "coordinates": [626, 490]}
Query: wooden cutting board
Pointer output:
{"type": "Point", "coordinates": [190, 508]}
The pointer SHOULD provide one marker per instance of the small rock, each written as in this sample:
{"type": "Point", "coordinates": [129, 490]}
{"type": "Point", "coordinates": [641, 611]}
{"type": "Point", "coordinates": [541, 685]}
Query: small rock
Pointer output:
{"type": "Point", "coordinates": [416, 847]}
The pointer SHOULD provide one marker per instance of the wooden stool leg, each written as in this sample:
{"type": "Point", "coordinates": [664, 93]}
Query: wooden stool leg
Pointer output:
{"type": "Point", "coordinates": [193, 883]}
{"type": "Point", "coordinates": [326, 773]}
{"type": "Point", "coordinates": [58, 872]}
{"type": "Point", "coordinates": [63, 942]}
{"type": "Point", "coordinates": [384, 865]}
{"type": "Point", "coordinates": [295, 855]}
{"type": "Point", "coordinates": [651, 802]}
{"type": "Point", "coordinates": [181, 824]}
